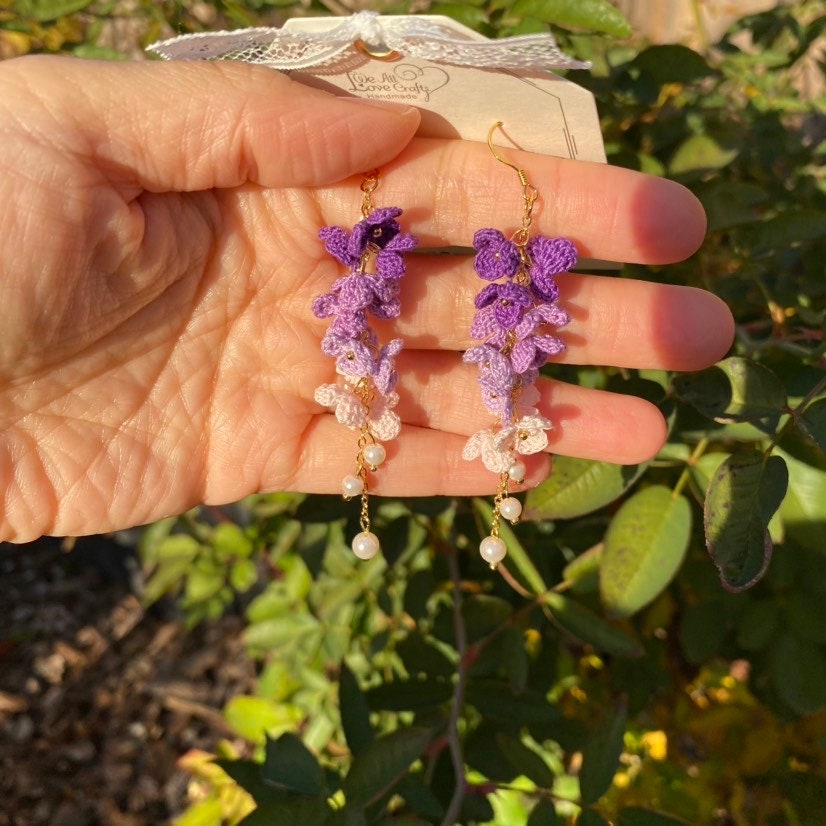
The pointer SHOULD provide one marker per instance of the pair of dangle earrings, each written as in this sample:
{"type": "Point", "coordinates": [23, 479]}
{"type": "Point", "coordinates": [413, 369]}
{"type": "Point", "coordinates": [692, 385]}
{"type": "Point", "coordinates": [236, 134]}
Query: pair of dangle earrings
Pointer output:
{"type": "Point", "coordinates": [515, 316]}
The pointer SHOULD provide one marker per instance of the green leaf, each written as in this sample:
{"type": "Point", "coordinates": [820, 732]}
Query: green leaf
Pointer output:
{"type": "Point", "coordinates": [588, 817]}
{"type": "Point", "coordinates": [525, 761]}
{"type": "Point", "coordinates": [208, 812]}
{"type": "Point", "coordinates": [582, 573]}
{"type": "Point", "coordinates": [812, 421]}
{"type": "Point", "coordinates": [299, 812]}
{"type": "Point", "coordinates": [600, 757]}
{"type": "Point", "coordinates": [516, 552]}
{"type": "Point", "coordinates": [645, 545]}
{"type": "Point", "coordinates": [635, 816]}
{"type": "Point", "coordinates": [255, 717]}
{"type": "Point", "coordinates": [355, 713]}
{"type": "Point", "coordinates": [671, 64]}
{"type": "Point", "coordinates": [43, 10]}
{"type": "Point", "coordinates": [495, 700]}
{"type": "Point", "coordinates": [731, 203]}
{"type": "Point", "coordinates": [383, 763]}
{"type": "Point", "coordinates": [421, 656]}
{"type": "Point", "coordinates": [758, 624]}
{"type": "Point", "coordinates": [743, 495]}
{"type": "Point", "coordinates": [579, 486]}
{"type": "Point", "coordinates": [703, 470]}
{"type": "Point", "coordinates": [544, 814]}
{"type": "Point", "coordinates": [273, 634]}
{"type": "Point", "coordinates": [790, 228]}
{"type": "Point", "coordinates": [230, 541]}
{"type": "Point", "coordinates": [290, 765]}
{"type": "Point", "coordinates": [243, 575]}
{"type": "Point", "coordinates": [593, 15]}
{"type": "Point", "coordinates": [467, 15]}
{"type": "Point", "coordinates": [418, 796]}
{"type": "Point", "coordinates": [700, 153]}
{"type": "Point", "coordinates": [735, 389]}
{"type": "Point", "coordinates": [585, 625]}
{"type": "Point", "coordinates": [799, 674]}
{"type": "Point", "coordinates": [802, 511]}
{"type": "Point", "coordinates": [409, 695]}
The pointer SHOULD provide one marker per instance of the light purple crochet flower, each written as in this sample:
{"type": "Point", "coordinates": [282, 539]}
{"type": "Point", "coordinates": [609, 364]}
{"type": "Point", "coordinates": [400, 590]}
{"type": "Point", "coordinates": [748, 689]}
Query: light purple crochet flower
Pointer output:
{"type": "Point", "coordinates": [497, 378]}
{"type": "Point", "coordinates": [497, 257]}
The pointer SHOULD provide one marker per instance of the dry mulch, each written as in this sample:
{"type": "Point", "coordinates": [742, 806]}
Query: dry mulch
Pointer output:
{"type": "Point", "coordinates": [98, 697]}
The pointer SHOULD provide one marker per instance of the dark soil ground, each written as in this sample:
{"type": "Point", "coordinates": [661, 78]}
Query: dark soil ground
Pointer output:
{"type": "Point", "coordinates": [98, 697]}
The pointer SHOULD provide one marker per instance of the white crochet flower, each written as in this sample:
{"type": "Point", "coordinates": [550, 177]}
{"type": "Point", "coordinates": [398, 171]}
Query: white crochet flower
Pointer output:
{"type": "Point", "coordinates": [497, 448]}
{"type": "Point", "coordinates": [383, 422]}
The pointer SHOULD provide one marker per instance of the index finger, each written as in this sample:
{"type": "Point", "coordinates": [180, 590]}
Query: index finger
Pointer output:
{"type": "Point", "coordinates": [450, 188]}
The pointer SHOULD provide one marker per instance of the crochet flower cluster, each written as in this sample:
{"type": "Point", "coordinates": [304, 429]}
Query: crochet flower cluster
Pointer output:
{"type": "Point", "coordinates": [373, 252]}
{"type": "Point", "coordinates": [512, 320]}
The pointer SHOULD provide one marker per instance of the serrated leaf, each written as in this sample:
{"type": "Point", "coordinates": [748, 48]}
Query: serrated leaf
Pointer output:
{"type": "Point", "coordinates": [812, 421]}
{"type": "Point", "coordinates": [383, 763]}
{"type": "Point", "coordinates": [635, 816]}
{"type": "Point", "coordinates": [579, 486]}
{"type": "Point", "coordinates": [600, 757]}
{"type": "Point", "coordinates": [290, 765]}
{"type": "Point", "coordinates": [743, 495]}
{"type": "Point", "coordinates": [355, 713]}
{"type": "Point", "coordinates": [593, 15]}
{"type": "Point", "coordinates": [585, 625]}
{"type": "Point", "coordinates": [735, 389]}
{"type": "Point", "coordinates": [644, 547]}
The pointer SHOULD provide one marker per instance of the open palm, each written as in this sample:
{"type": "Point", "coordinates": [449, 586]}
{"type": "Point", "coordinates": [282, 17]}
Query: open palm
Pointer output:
{"type": "Point", "coordinates": [159, 259]}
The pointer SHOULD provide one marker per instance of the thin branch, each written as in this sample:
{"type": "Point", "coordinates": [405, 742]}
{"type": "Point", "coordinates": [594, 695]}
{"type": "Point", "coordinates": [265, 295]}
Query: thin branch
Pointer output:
{"type": "Point", "coordinates": [458, 701]}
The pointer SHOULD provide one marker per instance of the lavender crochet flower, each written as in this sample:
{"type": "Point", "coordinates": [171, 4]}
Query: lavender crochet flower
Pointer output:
{"type": "Point", "coordinates": [514, 319]}
{"type": "Point", "coordinates": [353, 297]}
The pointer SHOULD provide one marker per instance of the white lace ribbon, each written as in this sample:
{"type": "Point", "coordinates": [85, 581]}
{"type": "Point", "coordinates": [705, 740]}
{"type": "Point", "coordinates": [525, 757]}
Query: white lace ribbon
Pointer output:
{"type": "Point", "coordinates": [411, 36]}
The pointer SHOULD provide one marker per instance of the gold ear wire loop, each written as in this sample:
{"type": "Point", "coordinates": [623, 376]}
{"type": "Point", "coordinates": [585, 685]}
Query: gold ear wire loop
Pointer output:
{"type": "Point", "coordinates": [529, 192]}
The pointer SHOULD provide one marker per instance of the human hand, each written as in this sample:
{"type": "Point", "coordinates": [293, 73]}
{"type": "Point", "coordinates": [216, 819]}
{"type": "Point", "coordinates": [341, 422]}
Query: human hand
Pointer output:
{"type": "Point", "coordinates": [160, 256]}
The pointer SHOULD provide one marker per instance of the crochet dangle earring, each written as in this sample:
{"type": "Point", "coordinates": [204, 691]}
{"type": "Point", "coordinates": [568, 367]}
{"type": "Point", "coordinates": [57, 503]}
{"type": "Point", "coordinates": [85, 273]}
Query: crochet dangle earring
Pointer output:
{"type": "Point", "coordinates": [514, 321]}
{"type": "Point", "coordinates": [365, 397]}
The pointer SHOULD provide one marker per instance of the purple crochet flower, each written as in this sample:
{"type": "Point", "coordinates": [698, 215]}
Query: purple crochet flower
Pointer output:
{"type": "Point", "coordinates": [497, 257]}
{"type": "Point", "coordinates": [549, 257]}
{"type": "Point", "coordinates": [379, 230]}
{"type": "Point", "coordinates": [509, 302]}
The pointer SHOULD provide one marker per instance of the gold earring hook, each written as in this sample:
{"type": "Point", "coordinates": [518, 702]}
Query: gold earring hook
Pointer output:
{"type": "Point", "coordinates": [529, 191]}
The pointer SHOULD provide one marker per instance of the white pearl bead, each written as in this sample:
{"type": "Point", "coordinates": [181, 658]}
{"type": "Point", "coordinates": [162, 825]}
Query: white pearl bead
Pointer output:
{"type": "Point", "coordinates": [517, 471]}
{"type": "Point", "coordinates": [365, 545]}
{"type": "Point", "coordinates": [510, 508]}
{"type": "Point", "coordinates": [493, 550]}
{"type": "Point", "coordinates": [352, 486]}
{"type": "Point", "coordinates": [374, 454]}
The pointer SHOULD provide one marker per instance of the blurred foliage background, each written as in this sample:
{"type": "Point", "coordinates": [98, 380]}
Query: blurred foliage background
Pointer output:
{"type": "Point", "coordinates": [653, 650]}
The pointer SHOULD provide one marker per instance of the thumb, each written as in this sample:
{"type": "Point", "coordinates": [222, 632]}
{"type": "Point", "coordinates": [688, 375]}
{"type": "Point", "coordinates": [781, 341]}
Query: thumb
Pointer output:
{"type": "Point", "coordinates": [191, 126]}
